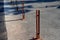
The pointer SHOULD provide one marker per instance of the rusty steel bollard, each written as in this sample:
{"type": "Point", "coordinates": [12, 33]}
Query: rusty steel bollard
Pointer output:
{"type": "Point", "coordinates": [37, 26]}
{"type": "Point", "coordinates": [23, 14]}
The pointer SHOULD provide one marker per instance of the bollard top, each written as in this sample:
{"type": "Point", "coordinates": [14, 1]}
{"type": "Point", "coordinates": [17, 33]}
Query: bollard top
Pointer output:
{"type": "Point", "coordinates": [37, 10]}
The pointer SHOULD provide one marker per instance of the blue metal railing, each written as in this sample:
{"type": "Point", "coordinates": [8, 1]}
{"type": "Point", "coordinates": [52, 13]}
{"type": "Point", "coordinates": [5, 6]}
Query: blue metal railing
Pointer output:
{"type": "Point", "coordinates": [11, 7]}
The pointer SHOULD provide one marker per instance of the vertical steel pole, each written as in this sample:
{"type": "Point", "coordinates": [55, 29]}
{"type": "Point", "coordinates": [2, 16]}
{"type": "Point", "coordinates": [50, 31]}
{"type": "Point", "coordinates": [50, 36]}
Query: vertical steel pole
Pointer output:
{"type": "Point", "coordinates": [23, 14]}
{"type": "Point", "coordinates": [11, 1]}
{"type": "Point", "coordinates": [37, 24]}
{"type": "Point", "coordinates": [16, 6]}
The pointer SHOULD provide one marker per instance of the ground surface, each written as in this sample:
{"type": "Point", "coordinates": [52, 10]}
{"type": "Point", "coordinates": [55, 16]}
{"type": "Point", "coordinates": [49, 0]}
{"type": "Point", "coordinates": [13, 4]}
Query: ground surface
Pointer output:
{"type": "Point", "coordinates": [25, 30]}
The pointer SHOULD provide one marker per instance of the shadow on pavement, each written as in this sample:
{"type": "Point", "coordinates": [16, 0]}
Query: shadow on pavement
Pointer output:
{"type": "Point", "coordinates": [3, 34]}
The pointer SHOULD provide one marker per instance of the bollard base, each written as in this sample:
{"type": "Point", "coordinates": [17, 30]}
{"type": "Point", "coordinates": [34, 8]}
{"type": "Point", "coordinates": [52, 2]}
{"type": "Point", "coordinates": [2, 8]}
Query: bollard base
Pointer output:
{"type": "Point", "coordinates": [33, 39]}
{"type": "Point", "coordinates": [36, 39]}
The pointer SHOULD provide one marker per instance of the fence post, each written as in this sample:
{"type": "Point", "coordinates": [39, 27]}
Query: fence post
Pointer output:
{"type": "Point", "coordinates": [23, 14]}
